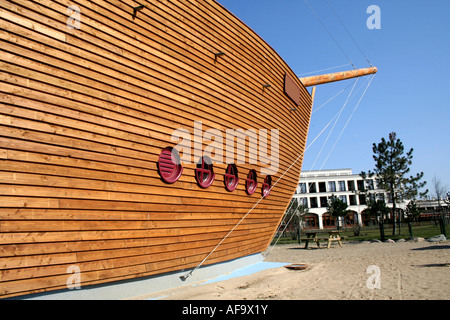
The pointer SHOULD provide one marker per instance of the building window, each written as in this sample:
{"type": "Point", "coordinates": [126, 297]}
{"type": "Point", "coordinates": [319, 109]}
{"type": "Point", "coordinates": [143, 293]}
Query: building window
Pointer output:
{"type": "Point", "coordinates": [169, 165]}
{"type": "Point", "coordinates": [328, 221]}
{"type": "Point", "coordinates": [352, 200]}
{"type": "Point", "coordinates": [302, 188]}
{"type": "Point", "coordinates": [323, 202]}
{"type": "Point", "coordinates": [342, 186]}
{"type": "Point", "coordinates": [310, 222]}
{"type": "Point", "coordinates": [231, 178]}
{"type": "Point", "coordinates": [378, 181]}
{"type": "Point", "coordinates": [389, 197]}
{"type": "Point", "coordinates": [322, 187]}
{"type": "Point", "coordinates": [267, 186]}
{"type": "Point", "coordinates": [313, 202]}
{"type": "Point", "coordinates": [370, 185]}
{"type": "Point", "coordinates": [331, 186]}
{"type": "Point", "coordinates": [343, 198]}
{"type": "Point", "coordinates": [204, 173]}
{"type": "Point", "coordinates": [360, 185]}
{"type": "Point", "coordinates": [312, 187]}
{"type": "Point", "coordinates": [303, 202]}
{"type": "Point", "coordinates": [362, 199]}
{"type": "Point", "coordinates": [351, 219]}
{"type": "Point", "coordinates": [251, 183]}
{"type": "Point", "coordinates": [351, 185]}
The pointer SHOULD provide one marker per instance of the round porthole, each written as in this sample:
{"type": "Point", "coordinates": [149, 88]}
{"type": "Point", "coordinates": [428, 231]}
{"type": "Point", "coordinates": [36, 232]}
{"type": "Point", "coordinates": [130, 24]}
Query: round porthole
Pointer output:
{"type": "Point", "coordinates": [204, 173]}
{"type": "Point", "coordinates": [251, 183]}
{"type": "Point", "coordinates": [169, 165]}
{"type": "Point", "coordinates": [231, 178]}
{"type": "Point", "coordinates": [267, 186]}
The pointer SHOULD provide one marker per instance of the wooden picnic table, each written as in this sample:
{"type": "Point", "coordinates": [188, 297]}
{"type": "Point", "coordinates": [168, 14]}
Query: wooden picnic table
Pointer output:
{"type": "Point", "coordinates": [316, 236]}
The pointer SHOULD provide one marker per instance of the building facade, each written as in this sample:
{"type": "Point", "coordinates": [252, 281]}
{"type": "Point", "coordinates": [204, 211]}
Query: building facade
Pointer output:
{"type": "Point", "coordinates": [315, 187]}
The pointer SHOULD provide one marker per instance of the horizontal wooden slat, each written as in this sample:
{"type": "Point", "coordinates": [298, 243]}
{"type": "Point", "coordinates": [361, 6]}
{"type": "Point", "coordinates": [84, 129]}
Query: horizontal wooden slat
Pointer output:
{"type": "Point", "coordinates": [149, 253]}
{"type": "Point", "coordinates": [287, 119]}
{"type": "Point", "coordinates": [160, 244]}
{"type": "Point", "coordinates": [45, 164]}
{"type": "Point", "coordinates": [116, 268]}
{"type": "Point", "coordinates": [84, 115]}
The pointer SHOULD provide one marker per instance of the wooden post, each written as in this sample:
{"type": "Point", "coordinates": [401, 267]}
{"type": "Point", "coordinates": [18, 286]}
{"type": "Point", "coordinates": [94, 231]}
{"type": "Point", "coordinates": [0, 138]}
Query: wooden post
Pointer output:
{"type": "Point", "coordinates": [339, 76]}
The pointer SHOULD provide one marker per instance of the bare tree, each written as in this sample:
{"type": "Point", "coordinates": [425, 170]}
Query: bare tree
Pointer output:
{"type": "Point", "coordinates": [440, 190]}
{"type": "Point", "coordinates": [440, 193]}
{"type": "Point", "coordinates": [294, 215]}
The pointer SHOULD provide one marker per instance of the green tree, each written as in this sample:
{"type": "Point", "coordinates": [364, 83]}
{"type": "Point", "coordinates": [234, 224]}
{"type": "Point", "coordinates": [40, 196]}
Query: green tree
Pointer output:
{"type": "Point", "coordinates": [377, 208]}
{"type": "Point", "coordinates": [392, 166]}
{"type": "Point", "coordinates": [412, 212]}
{"type": "Point", "coordinates": [337, 208]}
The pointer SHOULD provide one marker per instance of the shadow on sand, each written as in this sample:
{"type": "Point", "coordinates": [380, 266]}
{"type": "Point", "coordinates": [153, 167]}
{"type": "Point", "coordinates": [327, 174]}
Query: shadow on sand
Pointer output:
{"type": "Point", "coordinates": [439, 247]}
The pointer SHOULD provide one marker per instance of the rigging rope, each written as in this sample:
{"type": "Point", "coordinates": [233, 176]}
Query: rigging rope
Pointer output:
{"type": "Point", "coordinates": [348, 32]}
{"type": "Point", "coordinates": [354, 94]}
{"type": "Point", "coordinates": [185, 277]}
{"type": "Point", "coordinates": [337, 116]}
{"type": "Point", "coordinates": [338, 94]}
{"type": "Point", "coordinates": [324, 129]}
{"type": "Point", "coordinates": [267, 252]}
{"type": "Point", "coordinates": [329, 33]}
{"type": "Point", "coordinates": [332, 68]}
{"type": "Point", "coordinates": [348, 121]}
{"type": "Point", "coordinates": [332, 129]}
{"type": "Point", "coordinates": [348, 99]}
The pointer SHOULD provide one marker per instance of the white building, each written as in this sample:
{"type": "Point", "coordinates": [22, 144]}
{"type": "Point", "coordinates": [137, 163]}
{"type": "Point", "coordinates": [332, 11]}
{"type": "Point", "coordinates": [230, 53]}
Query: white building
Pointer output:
{"type": "Point", "coordinates": [316, 186]}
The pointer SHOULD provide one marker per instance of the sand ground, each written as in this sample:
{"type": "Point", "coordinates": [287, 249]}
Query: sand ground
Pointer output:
{"type": "Point", "coordinates": [409, 270]}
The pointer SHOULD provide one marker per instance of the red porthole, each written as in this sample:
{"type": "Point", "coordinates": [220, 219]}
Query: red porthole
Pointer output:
{"type": "Point", "coordinates": [231, 178]}
{"type": "Point", "coordinates": [169, 165]}
{"type": "Point", "coordinates": [251, 183]}
{"type": "Point", "coordinates": [204, 173]}
{"type": "Point", "coordinates": [267, 186]}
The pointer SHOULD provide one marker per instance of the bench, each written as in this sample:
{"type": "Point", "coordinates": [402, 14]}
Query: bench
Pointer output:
{"type": "Point", "coordinates": [315, 239]}
{"type": "Point", "coordinates": [313, 236]}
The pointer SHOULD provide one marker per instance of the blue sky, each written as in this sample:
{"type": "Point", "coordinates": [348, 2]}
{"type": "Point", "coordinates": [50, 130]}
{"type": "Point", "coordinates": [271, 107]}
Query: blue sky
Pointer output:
{"type": "Point", "coordinates": [409, 95]}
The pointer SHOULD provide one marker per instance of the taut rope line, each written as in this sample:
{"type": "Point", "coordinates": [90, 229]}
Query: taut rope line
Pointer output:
{"type": "Point", "coordinates": [185, 277]}
{"type": "Point", "coordinates": [348, 121]}
{"type": "Point", "coordinates": [332, 129]}
{"type": "Point", "coordinates": [359, 102]}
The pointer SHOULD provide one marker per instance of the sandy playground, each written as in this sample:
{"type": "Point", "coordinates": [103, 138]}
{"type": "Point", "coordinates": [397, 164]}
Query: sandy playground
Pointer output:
{"type": "Point", "coordinates": [401, 271]}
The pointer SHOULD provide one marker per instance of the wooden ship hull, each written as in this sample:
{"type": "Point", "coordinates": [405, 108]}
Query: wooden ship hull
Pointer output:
{"type": "Point", "coordinates": [89, 98]}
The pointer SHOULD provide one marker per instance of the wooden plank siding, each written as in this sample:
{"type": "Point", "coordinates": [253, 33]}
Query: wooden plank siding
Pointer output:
{"type": "Point", "coordinates": [84, 115]}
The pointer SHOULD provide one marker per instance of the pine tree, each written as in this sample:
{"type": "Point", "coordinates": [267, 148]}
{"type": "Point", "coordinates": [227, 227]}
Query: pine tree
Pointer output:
{"type": "Point", "coordinates": [337, 208]}
{"type": "Point", "coordinates": [413, 212]}
{"type": "Point", "coordinates": [377, 208]}
{"type": "Point", "coordinates": [392, 166]}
